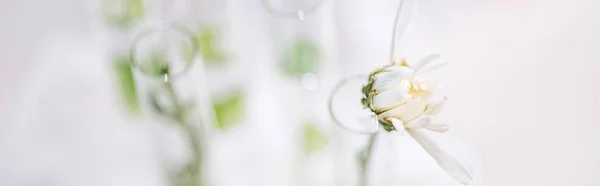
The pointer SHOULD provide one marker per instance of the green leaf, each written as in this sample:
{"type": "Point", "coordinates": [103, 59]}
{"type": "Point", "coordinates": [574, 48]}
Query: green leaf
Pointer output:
{"type": "Point", "coordinates": [367, 88]}
{"type": "Point", "coordinates": [314, 139]}
{"type": "Point", "coordinates": [122, 13]}
{"type": "Point", "coordinates": [126, 82]}
{"type": "Point", "coordinates": [301, 57]}
{"type": "Point", "coordinates": [208, 39]}
{"type": "Point", "coordinates": [387, 126]}
{"type": "Point", "coordinates": [230, 109]}
{"type": "Point", "coordinates": [136, 10]}
{"type": "Point", "coordinates": [365, 102]}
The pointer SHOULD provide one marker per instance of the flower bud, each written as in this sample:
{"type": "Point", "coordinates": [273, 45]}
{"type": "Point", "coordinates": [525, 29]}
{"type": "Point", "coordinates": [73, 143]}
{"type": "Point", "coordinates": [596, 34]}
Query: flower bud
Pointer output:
{"type": "Point", "coordinates": [400, 92]}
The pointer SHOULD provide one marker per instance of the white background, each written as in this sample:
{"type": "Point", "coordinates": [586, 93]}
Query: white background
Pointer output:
{"type": "Point", "coordinates": [521, 84]}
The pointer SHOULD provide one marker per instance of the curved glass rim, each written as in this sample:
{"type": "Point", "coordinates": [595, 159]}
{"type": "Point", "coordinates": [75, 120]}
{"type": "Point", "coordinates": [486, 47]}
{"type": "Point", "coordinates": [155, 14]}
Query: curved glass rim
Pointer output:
{"type": "Point", "coordinates": [162, 27]}
{"type": "Point", "coordinates": [337, 121]}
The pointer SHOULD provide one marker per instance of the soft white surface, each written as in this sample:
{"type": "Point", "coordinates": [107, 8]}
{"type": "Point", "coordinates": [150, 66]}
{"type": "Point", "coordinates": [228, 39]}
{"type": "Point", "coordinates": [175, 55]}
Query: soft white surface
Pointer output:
{"type": "Point", "coordinates": [525, 70]}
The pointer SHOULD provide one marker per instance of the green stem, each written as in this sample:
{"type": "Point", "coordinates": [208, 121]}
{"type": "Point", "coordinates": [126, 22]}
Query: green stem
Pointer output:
{"type": "Point", "coordinates": [364, 157]}
{"type": "Point", "coordinates": [194, 171]}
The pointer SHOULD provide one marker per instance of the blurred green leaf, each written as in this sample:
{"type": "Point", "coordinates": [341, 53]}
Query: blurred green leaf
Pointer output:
{"type": "Point", "coordinates": [122, 13]}
{"type": "Point", "coordinates": [314, 139]}
{"type": "Point", "coordinates": [230, 110]}
{"type": "Point", "coordinates": [301, 57]}
{"type": "Point", "coordinates": [126, 82]}
{"type": "Point", "coordinates": [207, 41]}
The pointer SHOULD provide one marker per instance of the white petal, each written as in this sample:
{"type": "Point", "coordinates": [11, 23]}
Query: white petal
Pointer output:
{"type": "Point", "coordinates": [389, 98]}
{"type": "Point", "coordinates": [419, 123]}
{"type": "Point", "coordinates": [435, 109]}
{"type": "Point", "coordinates": [433, 67]}
{"type": "Point", "coordinates": [452, 166]}
{"type": "Point", "coordinates": [435, 95]}
{"type": "Point", "coordinates": [398, 124]}
{"type": "Point", "coordinates": [437, 127]}
{"type": "Point", "coordinates": [438, 107]}
{"type": "Point", "coordinates": [409, 111]}
{"type": "Point", "coordinates": [425, 61]}
{"type": "Point", "coordinates": [391, 77]}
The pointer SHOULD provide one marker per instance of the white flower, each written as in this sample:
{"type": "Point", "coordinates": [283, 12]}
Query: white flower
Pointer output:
{"type": "Point", "coordinates": [404, 100]}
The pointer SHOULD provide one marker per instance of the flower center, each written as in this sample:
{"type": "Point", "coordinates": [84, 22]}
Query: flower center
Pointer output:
{"type": "Point", "coordinates": [417, 87]}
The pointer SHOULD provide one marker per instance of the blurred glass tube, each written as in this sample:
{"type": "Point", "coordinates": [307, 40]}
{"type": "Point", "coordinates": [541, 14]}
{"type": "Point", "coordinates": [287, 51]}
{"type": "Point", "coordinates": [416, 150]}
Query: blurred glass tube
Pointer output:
{"type": "Point", "coordinates": [227, 75]}
{"type": "Point", "coordinates": [228, 80]}
{"type": "Point", "coordinates": [144, 39]}
{"type": "Point", "coordinates": [303, 41]}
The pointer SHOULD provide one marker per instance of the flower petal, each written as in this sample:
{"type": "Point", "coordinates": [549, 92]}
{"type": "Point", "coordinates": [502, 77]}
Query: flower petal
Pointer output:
{"type": "Point", "coordinates": [390, 77]}
{"type": "Point", "coordinates": [437, 127]}
{"type": "Point", "coordinates": [452, 166]}
{"type": "Point", "coordinates": [425, 61]}
{"type": "Point", "coordinates": [389, 98]}
{"type": "Point", "coordinates": [419, 123]}
{"type": "Point", "coordinates": [398, 124]}
{"type": "Point", "coordinates": [433, 67]}
{"type": "Point", "coordinates": [406, 112]}
{"type": "Point", "coordinates": [435, 109]}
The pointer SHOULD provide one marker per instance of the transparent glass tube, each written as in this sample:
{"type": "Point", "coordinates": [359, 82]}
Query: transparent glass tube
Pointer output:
{"type": "Point", "coordinates": [159, 77]}
{"type": "Point", "coordinates": [166, 78]}
{"type": "Point", "coordinates": [303, 45]}
{"type": "Point", "coordinates": [230, 75]}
